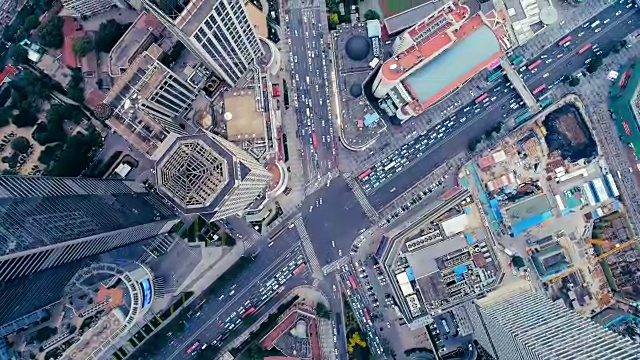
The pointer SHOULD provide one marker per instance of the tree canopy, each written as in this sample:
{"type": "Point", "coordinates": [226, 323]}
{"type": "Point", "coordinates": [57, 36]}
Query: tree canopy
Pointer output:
{"type": "Point", "coordinates": [595, 63]}
{"type": "Point", "coordinates": [18, 54]}
{"type": "Point", "coordinates": [322, 311]}
{"type": "Point", "coordinates": [371, 15]}
{"type": "Point", "coordinates": [20, 145]}
{"type": "Point", "coordinates": [50, 34]}
{"type": "Point", "coordinates": [83, 46]}
{"type": "Point", "coordinates": [76, 155]}
{"type": "Point", "coordinates": [573, 81]}
{"type": "Point", "coordinates": [108, 35]}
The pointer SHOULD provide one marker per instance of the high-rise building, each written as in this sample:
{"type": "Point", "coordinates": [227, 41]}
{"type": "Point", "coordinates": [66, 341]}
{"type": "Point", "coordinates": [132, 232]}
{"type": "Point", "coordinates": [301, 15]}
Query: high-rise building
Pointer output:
{"type": "Point", "coordinates": [206, 174]}
{"type": "Point", "coordinates": [518, 323]}
{"type": "Point", "coordinates": [47, 222]}
{"type": "Point", "coordinates": [146, 101]}
{"type": "Point", "coordinates": [218, 32]}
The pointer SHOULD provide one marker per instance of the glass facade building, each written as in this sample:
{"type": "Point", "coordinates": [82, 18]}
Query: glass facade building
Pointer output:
{"type": "Point", "coordinates": [48, 225]}
{"type": "Point", "coordinates": [522, 324]}
{"type": "Point", "coordinates": [218, 32]}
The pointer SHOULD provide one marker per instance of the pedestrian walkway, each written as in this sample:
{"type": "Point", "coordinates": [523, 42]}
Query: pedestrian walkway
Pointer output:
{"type": "Point", "coordinates": [520, 87]}
{"type": "Point", "coordinates": [335, 265]}
{"type": "Point", "coordinates": [362, 198]}
{"type": "Point", "coordinates": [308, 249]}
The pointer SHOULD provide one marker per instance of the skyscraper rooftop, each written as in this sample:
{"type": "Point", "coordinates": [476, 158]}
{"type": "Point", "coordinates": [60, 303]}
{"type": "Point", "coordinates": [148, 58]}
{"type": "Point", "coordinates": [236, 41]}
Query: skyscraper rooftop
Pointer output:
{"type": "Point", "coordinates": [204, 173]}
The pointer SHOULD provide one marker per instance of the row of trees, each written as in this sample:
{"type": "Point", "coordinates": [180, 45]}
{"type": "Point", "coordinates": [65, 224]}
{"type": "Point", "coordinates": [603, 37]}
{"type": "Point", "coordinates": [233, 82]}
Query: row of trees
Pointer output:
{"type": "Point", "coordinates": [27, 19]}
{"type": "Point", "coordinates": [490, 134]}
{"type": "Point", "coordinates": [596, 62]}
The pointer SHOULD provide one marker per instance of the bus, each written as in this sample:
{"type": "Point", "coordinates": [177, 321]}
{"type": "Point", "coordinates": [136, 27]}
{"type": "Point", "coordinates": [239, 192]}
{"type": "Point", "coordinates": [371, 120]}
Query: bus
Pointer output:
{"type": "Point", "coordinates": [365, 174]}
{"type": "Point", "coordinates": [248, 312]}
{"type": "Point", "coordinates": [538, 89]}
{"type": "Point", "coordinates": [481, 97]}
{"type": "Point", "coordinates": [352, 281]}
{"type": "Point", "coordinates": [299, 268]}
{"type": "Point", "coordinates": [315, 140]}
{"type": "Point", "coordinates": [366, 315]}
{"type": "Point", "coordinates": [546, 102]}
{"type": "Point", "coordinates": [565, 40]}
{"type": "Point", "coordinates": [584, 48]}
{"type": "Point", "coordinates": [534, 64]}
{"type": "Point", "coordinates": [517, 60]}
{"type": "Point", "coordinates": [390, 166]}
{"type": "Point", "coordinates": [523, 117]}
{"type": "Point", "coordinates": [495, 76]}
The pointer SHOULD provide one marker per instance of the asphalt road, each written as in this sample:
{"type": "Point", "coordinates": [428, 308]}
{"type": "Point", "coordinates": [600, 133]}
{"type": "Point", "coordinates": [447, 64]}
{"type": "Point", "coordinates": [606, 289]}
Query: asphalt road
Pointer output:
{"type": "Point", "coordinates": [243, 291]}
{"type": "Point", "coordinates": [333, 225]}
{"type": "Point", "coordinates": [309, 60]}
{"type": "Point", "coordinates": [456, 137]}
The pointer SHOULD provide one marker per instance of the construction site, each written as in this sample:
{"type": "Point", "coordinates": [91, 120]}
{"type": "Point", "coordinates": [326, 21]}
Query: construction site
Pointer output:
{"type": "Point", "coordinates": [555, 210]}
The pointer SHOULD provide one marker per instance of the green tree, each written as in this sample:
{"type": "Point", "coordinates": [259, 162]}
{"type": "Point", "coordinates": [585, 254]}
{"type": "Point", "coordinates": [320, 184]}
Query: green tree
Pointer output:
{"type": "Point", "coordinates": [5, 116]}
{"type": "Point", "coordinates": [76, 155]}
{"type": "Point", "coordinates": [595, 63]}
{"type": "Point", "coordinates": [18, 54]}
{"type": "Point", "coordinates": [108, 35]}
{"type": "Point", "coordinates": [333, 21]}
{"type": "Point", "coordinates": [371, 15]}
{"type": "Point", "coordinates": [75, 90]}
{"type": "Point", "coordinates": [50, 153]}
{"type": "Point", "coordinates": [322, 311]}
{"type": "Point", "coordinates": [50, 34]}
{"type": "Point", "coordinates": [473, 145]}
{"type": "Point", "coordinates": [83, 46]}
{"type": "Point", "coordinates": [25, 118]}
{"type": "Point", "coordinates": [20, 145]}
{"type": "Point", "coordinates": [30, 23]}
{"type": "Point", "coordinates": [9, 34]}
{"type": "Point", "coordinates": [573, 81]}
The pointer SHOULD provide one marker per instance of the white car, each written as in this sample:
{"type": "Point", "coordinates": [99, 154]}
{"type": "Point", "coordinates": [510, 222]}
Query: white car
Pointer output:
{"type": "Point", "coordinates": [545, 75]}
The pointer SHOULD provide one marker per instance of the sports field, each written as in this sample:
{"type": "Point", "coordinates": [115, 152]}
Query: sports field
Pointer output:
{"type": "Point", "coordinates": [392, 7]}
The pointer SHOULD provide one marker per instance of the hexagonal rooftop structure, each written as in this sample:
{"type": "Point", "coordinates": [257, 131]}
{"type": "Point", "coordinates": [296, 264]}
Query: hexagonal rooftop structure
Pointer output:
{"type": "Point", "coordinates": [194, 174]}
{"type": "Point", "coordinates": [200, 174]}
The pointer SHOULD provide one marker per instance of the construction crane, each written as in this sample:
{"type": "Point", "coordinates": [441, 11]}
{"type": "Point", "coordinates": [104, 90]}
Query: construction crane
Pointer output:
{"type": "Point", "coordinates": [615, 248]}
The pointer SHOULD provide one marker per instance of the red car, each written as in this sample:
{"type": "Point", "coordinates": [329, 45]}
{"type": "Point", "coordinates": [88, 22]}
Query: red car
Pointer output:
{"type": "Point", "coordinates": [193, 347]}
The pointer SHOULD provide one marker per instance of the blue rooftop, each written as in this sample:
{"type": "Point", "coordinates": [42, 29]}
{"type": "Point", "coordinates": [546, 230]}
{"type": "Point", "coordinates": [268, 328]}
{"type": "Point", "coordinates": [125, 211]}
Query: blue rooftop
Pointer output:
{"type": "Point", "coordinates": [453, 64]}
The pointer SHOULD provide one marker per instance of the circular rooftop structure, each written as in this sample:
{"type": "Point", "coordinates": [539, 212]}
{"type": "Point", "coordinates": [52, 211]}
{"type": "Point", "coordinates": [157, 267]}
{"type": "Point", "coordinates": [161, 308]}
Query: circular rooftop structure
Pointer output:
{"type": "Point", "coordinates": [549, 15]}
{"type": "Point", "coordinates": [355, 90]}
{"type": "Point", "coordinates": [358, 48]}
{"type": "Point", "coordinates": [193, 174]}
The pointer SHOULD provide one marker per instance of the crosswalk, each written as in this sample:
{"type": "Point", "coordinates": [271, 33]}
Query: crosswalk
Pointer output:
{"type": "Point", "coordinates": [308, 247]}
{"type": "Point", "coordinates": [335, 265]}
{"type": "Point", "coordinates": [362, 199]}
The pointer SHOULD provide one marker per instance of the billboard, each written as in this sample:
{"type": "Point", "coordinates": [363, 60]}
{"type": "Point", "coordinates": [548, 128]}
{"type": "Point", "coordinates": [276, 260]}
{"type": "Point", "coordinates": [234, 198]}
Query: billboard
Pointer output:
{"type": "Point", "coordinates": [147, 294]}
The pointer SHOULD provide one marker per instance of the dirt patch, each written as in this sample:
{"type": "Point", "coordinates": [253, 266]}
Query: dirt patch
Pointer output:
{"type": "Point", "coordinates": [32, 162]}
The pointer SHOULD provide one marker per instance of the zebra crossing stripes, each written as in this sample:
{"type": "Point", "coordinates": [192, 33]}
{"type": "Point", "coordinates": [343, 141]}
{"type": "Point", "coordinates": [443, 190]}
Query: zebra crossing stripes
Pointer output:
{"type": "Point", "coordinates": [335, 265]}
{"type": "Point", "coordinates": [308, 247]}
{"type": "Point", "coordinates": [362, 199]}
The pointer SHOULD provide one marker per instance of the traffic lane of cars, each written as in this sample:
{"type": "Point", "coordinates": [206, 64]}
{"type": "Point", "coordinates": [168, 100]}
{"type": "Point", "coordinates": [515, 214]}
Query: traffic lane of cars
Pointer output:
{"type": "Point", "coordinates": [217, 300]}
{"type": "Point", "coordinates": [360, 310]}
{"type": "Point", "coordinates": [601, 41]}
{"type": "Point", "coordinates": [455, 142]}
{"type": "Point", "coordinates": [299, 74]}
{"type": "Point", "coordinates": [583, 34]}
{"type": "Point", "coordinates": [560, 66]}
{"type": "Point", "coordinates": [216, 331]}
{"type": "Point", "coordinates": [394, 163]}
{"type": "Point", "coordinates": [333, 225]}
{"type": "Point", "coordinates": [318, 63]}
{"type": "Point", "coordinates": [384, 174]}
